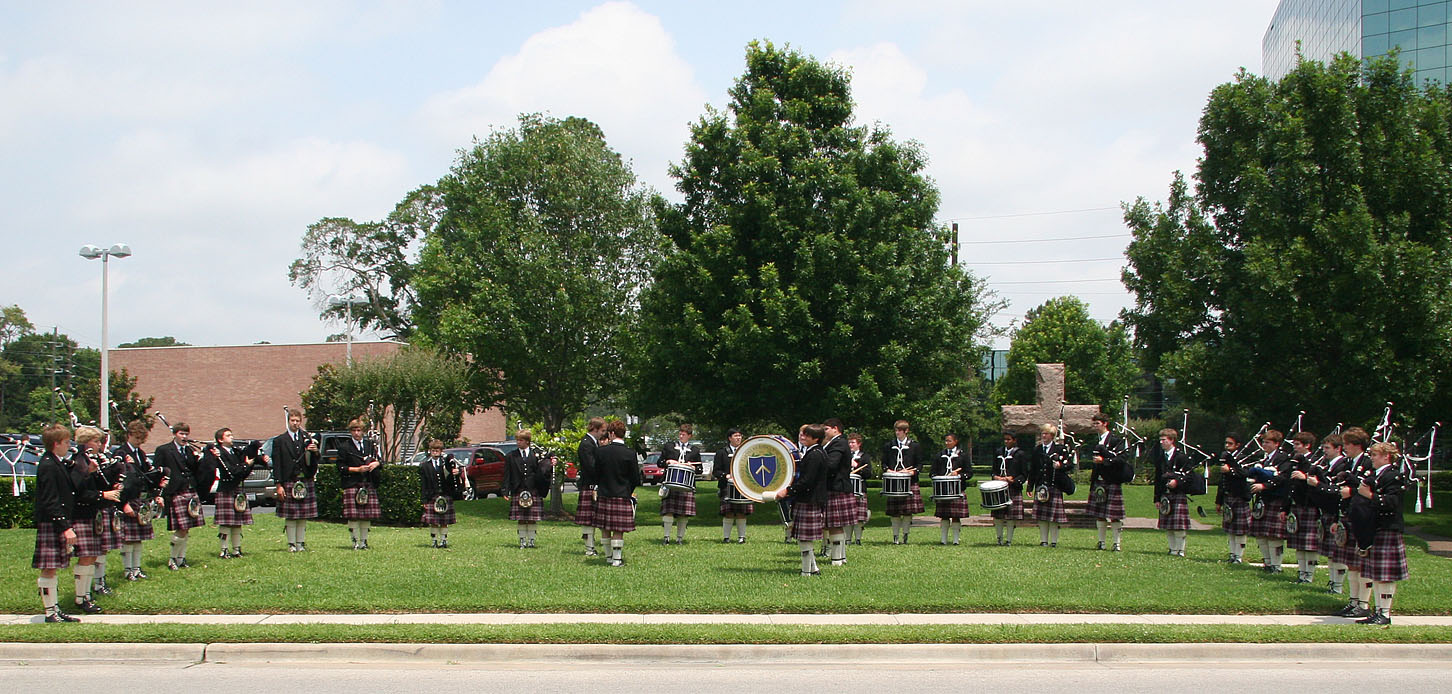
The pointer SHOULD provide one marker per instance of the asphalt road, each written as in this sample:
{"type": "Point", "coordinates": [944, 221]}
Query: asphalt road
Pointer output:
{"type": "Point", "coordinates": [1360, 678]}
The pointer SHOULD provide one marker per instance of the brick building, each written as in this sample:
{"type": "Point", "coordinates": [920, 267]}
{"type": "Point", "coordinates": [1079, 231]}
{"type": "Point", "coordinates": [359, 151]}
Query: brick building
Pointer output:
{"type": "Point", "coordinates": [245, 386]}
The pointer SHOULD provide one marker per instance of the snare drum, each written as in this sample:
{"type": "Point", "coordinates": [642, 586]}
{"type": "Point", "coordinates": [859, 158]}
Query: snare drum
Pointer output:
{"type": "Point", "coordinates": [947, 487]}
{"type": "Point", "coordinates": [995, 494]}
{"type": "Point", "coordinates": [680, 476]}
{"type": "Point", "coordinates": [859, 487]}
{"type": "Point", "coordinates": [732, 495]}
{"type": "Point", "coordinates": [896, 484]}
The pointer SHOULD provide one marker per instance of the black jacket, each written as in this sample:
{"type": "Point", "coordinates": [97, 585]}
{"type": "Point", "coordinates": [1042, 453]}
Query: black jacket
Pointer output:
{"type": "Point", "coordinates": [86, 485]}
{"type": "Point", "coordinates": [616, 472]}
{"type": "Point", "coordinates": [1279, 486]}
{"type": "Point", "coordinates": [55, 491]}
{"type": "Point", "coordinates": [232, 468]}
{"type": "Point", "coordinates": [291, 460]}
{"type": "Point", "coordinates": [1041, 469]}
{"type": "Point", "coordinates": [1233, 484]}
{"type": "Point", "coordinates": [179, 466]}
{"type": "Point", "coordinates": [351, 454]}
{"type": "Point", "coordinates": [839, 465]}
{"type": "Point", "coordinates": [896, 457]}
{"type": "Point", "coordinates": [813, 482]}
{"type": "Point", "coordinates": [1115, 453]}
{"type": "Point", "coordinates": [439, 477]}
{"type": "Point", "coordinates": [1012, 462]}
{"type": "Point", "coordinates": [722, 467]}
{"type": "Point", "coordinates": [1174, 467]}
{"type": "Point", "coordinates": [679, 452]}
{"type": "Point", "coordinates": [585, 461]}
{"type": "Point", "coordinates": [948, 460]}
{"type": "Point", "coordinates": [531, 472]}
{"type": "Point", "coordinates": [1327, 495]}
{"type": "Point", "coordinates": [1387, 486]}
{"type": "Point", "coordinates": [861, 460]}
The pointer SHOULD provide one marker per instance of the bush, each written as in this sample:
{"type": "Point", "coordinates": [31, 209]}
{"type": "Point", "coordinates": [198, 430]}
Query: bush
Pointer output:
{"type": "Point", "coordinates": [17, 512]}
{"type": "Point", "coordinates": [399, 496]}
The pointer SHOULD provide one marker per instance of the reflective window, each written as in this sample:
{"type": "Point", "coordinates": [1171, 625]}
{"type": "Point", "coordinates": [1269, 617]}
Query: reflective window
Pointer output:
{"type": "Point", "coordinates": [1428, 58]}
{"type": "Point", "coordinates": [1428, 37]}
{"type": "Point", "coordinates": [1373, 46]}
{"type": "Point", "coordinates": [1403, 19]}
{"type": "Point", "coordinates": [1405, 40]}
{"type": "Point", "coordinates": [1435, 13]}
{"type": "Point", "coordinates": [1373, 24]}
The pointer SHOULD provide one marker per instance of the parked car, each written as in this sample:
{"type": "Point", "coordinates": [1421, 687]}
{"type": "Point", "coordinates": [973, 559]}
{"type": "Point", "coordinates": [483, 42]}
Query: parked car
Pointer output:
{"type": "Point", "coordinates": [263, 485]}
{"type": "Point", "coordinates": [13, 460]}
{"type": "Point", "coordinates": [651, 471]}
{"type": "Point", "coordinates": [485, 469]}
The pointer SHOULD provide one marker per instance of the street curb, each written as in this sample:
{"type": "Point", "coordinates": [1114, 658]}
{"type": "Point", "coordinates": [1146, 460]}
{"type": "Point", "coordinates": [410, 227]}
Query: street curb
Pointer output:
{"type": "Point", "coordinates": [30, 653]}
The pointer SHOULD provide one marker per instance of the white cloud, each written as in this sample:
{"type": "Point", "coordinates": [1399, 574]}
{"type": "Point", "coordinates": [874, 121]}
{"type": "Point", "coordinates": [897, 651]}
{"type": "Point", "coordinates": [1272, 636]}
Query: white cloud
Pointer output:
{"type": "Point", "coordinates": [615, 65]}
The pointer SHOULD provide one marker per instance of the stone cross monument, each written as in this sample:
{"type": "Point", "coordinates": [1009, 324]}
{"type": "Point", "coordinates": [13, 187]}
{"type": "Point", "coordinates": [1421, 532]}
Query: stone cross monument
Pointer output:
{"type": "Point", "coordinates": [1025, 419]}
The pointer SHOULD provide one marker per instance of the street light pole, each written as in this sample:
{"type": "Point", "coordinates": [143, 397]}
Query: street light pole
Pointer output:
{"type": "Point", "coordinates": [346, 302]}
{"type": "Point", "coordinates": [119, 250]}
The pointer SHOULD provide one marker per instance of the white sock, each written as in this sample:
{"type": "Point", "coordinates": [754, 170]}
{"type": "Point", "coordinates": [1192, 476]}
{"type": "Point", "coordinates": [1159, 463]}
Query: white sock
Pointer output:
{"type": "Point", "coordinates": [291, 531]}
{"type": "Point", "coordinates": [589, 537]}
{"type": "Point", "coordinates": [523, 531]}
{"type": "Point", "coordinates": [806, 549]}
{"type": "Point", "coordinates": [1365, 592]}
{"type": "Point", "coordinates": [1265, 551]}
{"type": "Point", "coordinates": [741, 528]}
{"type": "Point", "coordinates": [617, 548]}
{"type": "Point", "coordinates": [1043, 532]}
{"type": "Point", "coordinates": [83, 574]}
{"type": "Point", "coordinates": [666, 523]}
{"type": "Point", "coordinates": [47, 588]}
{"type": "Point", "coordinates": [100, 575]}
{"type": "Point", "coordinates": [957, 526]}
{"type": "Point", "coordinates": [726, 524]}
{"type": "Point", "coordinates": [1278, 551]}
{"type": "Point", "coordinates": [302, 531]}
{"type": "Point", "coordinates": [998, 528]}
{"type": "Point", "coordinates": [1008, 528]}
{"type": "Point", "coordinates": [1118, 527]}
{"type": "Point", "coordinates": [363, 526]}
{"type": "Point", "coordinates": [839, 547]}
{"type": "Point", "coordinates": [681, 522]}
{"type": "Point", "coordinates": [1054, 534]}
{"type": "Point", "coordinates": [1183, 539]}
{"type": "Point", "coordinates": [444, 533]}
{"type": "Point", "coordinates": [1338, 574]}
{"type": "Point", "coordinates": [1385, 591]}
{"type": "Point", "coordinates": [943, 529]}
{"type": "Point", "coordinates": [1232, 541]}
{"type": "Point", "coordinates": [1103, 527]}
{"type": "Point", "coordinates": [896, 522]}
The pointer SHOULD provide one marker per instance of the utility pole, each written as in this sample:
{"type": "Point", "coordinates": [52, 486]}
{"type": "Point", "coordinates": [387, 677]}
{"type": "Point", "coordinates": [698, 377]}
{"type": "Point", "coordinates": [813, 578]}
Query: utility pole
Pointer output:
{"type": "Point", "coordinates": [53, 362]}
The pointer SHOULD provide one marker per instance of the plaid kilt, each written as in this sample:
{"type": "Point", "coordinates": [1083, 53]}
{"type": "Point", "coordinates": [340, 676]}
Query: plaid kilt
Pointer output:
{"type": "Point", "coordinates": [177, 517]}
{"type": "Point", "coordinates": [88, 541]}
{"type": "Point", "coordinates": [615, 514]}
{"type": "Point", "coordinates": [1014, 509]}
{"type": "Point", "coordinates": [50, 547]}
{"type": "Point", "coordinates": [133, 530]}
{"type": "Point", "coordinates": [808, 522]}
{"type": "Point", "coordinates": [1053, 511]}
{"type": "Point", "coordinates": [368, 511]}
{"type": "Point", "coordinates": [291, 509]}
{"type": "Point", "coordinates": [841, 510]}
{"type": "Point", "coordinates": [951, 508]}
{"type": "Point", "coordinates": [1336, 553]}
{"type": "Point", "coordinates": [906, 505]}
{"type": "Point", "coordinates": [1239, 517]}
{"type": "Point", "coordinates": [678, 503]}
{"type": "Point", "coordinates": [585, 509]}
{"type": "Point", "coordinates": [1308, 529]}
{"type": "Point", "coordinates": [432, 517]}
{"type": "Point", "coordinates": [226, 514]}
{"type": "Point", "coordinates": [859, 506]}
{"type": "Point", "coordinates": [1388, 558]}
{"type": "Point", "coordinates": [1179, 516]}
{"type": "Point", "coordinates": [1270, 525]}
{"type": "Point", "coordinates": [533, 514]}
{"type": "Point", "coordinates": [733, 509]}
{"type": "Point", "coordinates": [1112, 508]}
{"type": "Point", "coordinates": [110, 539]}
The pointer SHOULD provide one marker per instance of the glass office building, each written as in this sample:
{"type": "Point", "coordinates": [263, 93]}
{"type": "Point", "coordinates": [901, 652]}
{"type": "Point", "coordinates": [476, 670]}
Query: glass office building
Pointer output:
{"type": "Point", "coordinates": [1364, 28]}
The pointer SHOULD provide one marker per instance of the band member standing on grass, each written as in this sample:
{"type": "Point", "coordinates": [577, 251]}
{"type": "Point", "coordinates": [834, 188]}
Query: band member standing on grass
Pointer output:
{"type": "Point", "coordinates": [1107, 506]}
{"type": "Point", "coordinates": [585, 482]}
{"type": "Point", "coordinates": [616, 477]}
{"type": "Point", "coordinates": [1049, 458]}
{"type": "Point", "coordinates": [903, 454]}
{"type": "Point", "coordinates": [232, 470]}
{"type": "Point", "coordinates": [295, 459]}
{"type": "Point", "coordinates": [732, 513]}
{"type": "Point", "coordinates": [141, 478]}
{"type": "Point", "coordinates": [861, 466]}
{"type": "Point", "coordinates": [1356, 467]}
{"type": "Point", "coordinates": [55, 502]}
{"type": "Point", "coordinates": [89, 496]}
{"type": "Point", "coordinates": [179, 489]}
{"type": "Point", "coordinates": [359, 475]}
{"type": "Point", "coordinates": [1306, 539]}
{"type": "Point", "coordinates": [841, 510]}
{"type": "Point", "coordinates": [809, 495]}
{"type": "Point", "coordinates": [108, 477]}
{"type": "Point", "coordinates": [1387, 561]}
{"type": "Point", "coordinates": [1012, 466]}
{"type": "Point", "coordinates": [1327, 497]}
{"type": "Point", "coordinates": [1232, 499]}
{"type": "Point", "coordinates": [679, 505]}
{"type": "Point", "coordinates": [1172, 469]}
{"type": "Point", "coordinates": [526, 484]}
{"type": "Point", "coordinates": [951, 512]}
{"type": "Point", "coordinates": [1269, 529]}
{"type": "Point", "coordinates": [439, 476]}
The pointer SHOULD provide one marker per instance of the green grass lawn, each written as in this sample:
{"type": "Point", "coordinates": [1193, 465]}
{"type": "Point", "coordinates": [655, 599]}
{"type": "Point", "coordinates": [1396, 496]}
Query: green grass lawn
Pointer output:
{"type": "Point", "coordinates": [485, 571]}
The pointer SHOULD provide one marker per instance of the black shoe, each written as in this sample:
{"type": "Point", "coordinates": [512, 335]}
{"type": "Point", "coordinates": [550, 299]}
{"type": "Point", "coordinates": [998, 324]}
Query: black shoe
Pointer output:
{"type": "Point", "coordinates": [172, 564]}
{"type": "Point", "coordinates": [742, 540]}
{"type": "Point", "coordinates": [183, 563]}
{"type": "Point", "coordinates": [617, 562]}
{"type": "Point", "coordinates": [1378, 618]}
{"type": "Point", "coordinates": [666, 541]}
{"type": "Point", "coordinates": [88, 607]}
{"type": "Point", "coordinates": [1043, 544]}
{"type": "Point", "coordinates": [224, 555]}
{"type": "Point", "coordinates": [365, 545]}
{"type": "Point", "coordinates": [292, 546]}
{"type": "Point", "coordinates": [58, 617]}
{"type": "Point", "coordinates": [1101, 546]}
{"type": "Point", "coordinates": [591, 553]}
{"type": "Point", "coordinates": [302, 546]}
{"type": "Point", "coordinates": [102, 588]}
{"type": "Point", "coordinates": [1053, 545]}
{"type": "Point", "coordinates": [443, 544]}
{"type": "Point", "coordinates": [725, 540]}
{"type": "Point", "coordinates": [131, 575]}
{"type": "Point", "coordinates": [1117, 549]}
{"type": "Point", "coordinates": [1345, 610]}
{"type": "Point", "coordinates": [141, 574]}
{"type": "Point", "coordinates": [237, 553]}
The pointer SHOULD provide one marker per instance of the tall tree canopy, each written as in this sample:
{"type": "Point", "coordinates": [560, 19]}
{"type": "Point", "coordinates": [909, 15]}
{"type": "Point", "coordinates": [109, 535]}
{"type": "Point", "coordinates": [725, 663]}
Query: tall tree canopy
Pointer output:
{"type": "Point", "coordinates": [1309, 268]}
{"type": "Point", "coordinates": [1098, 360]}
{"type": "Point", "coordinates": [535, 266]}
{"type": "Point", "coordinates": [805, 279]}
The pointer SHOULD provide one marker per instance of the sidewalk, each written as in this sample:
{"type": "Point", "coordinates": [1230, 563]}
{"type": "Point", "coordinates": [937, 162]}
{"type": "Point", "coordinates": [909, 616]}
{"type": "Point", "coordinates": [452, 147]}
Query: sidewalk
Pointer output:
{"type": "Point", "coordinates": [773, 619]}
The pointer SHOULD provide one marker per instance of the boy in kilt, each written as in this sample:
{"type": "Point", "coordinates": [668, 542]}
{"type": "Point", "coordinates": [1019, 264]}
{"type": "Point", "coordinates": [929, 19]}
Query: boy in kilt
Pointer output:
{"type": "Point", "coordinates": [179, 490]}
{"type": "Point", "coordinates": [732, 514]}
{"type": "Point", "coordinates": [841, 510]}
{"type": "Point", "coordinates": [1049, 458]}
{"type": "Point", "coordinates": [109, 477]}
{"type": "Point", "coordinates": [439, 476]}
{"type": "Point", "coordinates": [1346, 479]}
{"type": "Point", "coordinates": [142, 483]}
{"type": "Point", "coordinates": [1172, 468]}
{"type": "Point", "coordinates": [616, 477]}
{"type": "Point", "coordinates": [862, 467]}
{"type": "Point", "coordinates": [88, 522]}
{"type": "Point", "coordinates": [679, 505]}
{"type": "Point", "coordinates": [295, 459]}
{"type": "Point", "coordinates": [951, 512]}
{"type": "Point", "coordinates": [232, 469]}
{"type": "Point", "coordinates": [1326, 494]}
{"type": "Point", "coordinates": [1107, 507]}
{"type": "Point", "coordinates": [809, 492]}
{"type": "Point", "coordinates": [903, 454]}
{"type": "Point", "coordinates": [1232, 499]}
{"type": "Point", "coordinates": [1306, 539]}
{"type": "Point", "coordinates": [1387, 562]}
{"type": "Point", "coordinates": [55, 503]}
{"type": "Point", "coordinates": [527, 472]}
{"type": "Point", "coordinates": [1011, 466]}
{"type": "Point", "coordinates": [1269, 530]}
{"type": "Point", "coordinates": [585, 482]}
{"type": "Point", "coordinates": [359, 474]}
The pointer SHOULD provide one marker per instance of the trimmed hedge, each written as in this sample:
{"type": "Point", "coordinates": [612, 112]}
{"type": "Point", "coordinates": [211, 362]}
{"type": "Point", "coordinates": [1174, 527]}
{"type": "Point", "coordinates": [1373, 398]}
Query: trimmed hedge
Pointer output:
{"type": "Point", "coordinates": [399, 495]}
{"type": "Point", "coordinates": [17, 512]}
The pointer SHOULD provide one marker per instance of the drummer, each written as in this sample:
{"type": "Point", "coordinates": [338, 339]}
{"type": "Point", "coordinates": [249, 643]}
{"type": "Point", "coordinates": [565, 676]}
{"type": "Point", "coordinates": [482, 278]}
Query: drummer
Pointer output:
{"type": "Point", "coordinates": [862, 467]}
{"type": "Point", "coordinates": [1012, 466]}
{"type": "Point", "coordinates": [903, 454]}
{"type": "Point", "coordinates": [733, 514]}
{"type": "Point", "coordinates": [679, 504]}
{"type": "Point", "coordinates": [951, 512]}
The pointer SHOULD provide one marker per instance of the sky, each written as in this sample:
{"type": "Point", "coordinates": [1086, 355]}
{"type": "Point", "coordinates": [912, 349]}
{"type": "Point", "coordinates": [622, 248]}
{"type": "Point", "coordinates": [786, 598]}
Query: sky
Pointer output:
{"type": "Point", "coordinates": [209, 135]}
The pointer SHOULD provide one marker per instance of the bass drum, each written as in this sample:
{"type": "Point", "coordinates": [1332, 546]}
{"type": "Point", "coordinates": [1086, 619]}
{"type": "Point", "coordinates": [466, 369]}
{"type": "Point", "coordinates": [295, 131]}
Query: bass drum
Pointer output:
{"type": "Point", "coordinates": [764, 465]}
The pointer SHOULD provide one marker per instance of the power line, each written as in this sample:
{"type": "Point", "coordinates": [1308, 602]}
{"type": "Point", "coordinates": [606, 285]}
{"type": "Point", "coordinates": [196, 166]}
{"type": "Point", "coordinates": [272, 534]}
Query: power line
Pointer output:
{"type": "Point", "coordinates": [1061, 238]}
{"type": "Point", "coordinates": [1030, 214]}
{"type": "Point", "coordinates": [1043, 262]}
{"type": "Point", "coordinates": [1102, 279]}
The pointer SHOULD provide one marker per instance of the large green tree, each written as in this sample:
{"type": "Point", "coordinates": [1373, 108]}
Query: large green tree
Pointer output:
{"type": "Point", "coordinates": [535, 266]}
{"type": "Point", "coordinates": [1310, 266]}
{"type": "Point", "coordinates": [1098, 359]}
{"type": "Point", "coordinates": [806, 277]}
